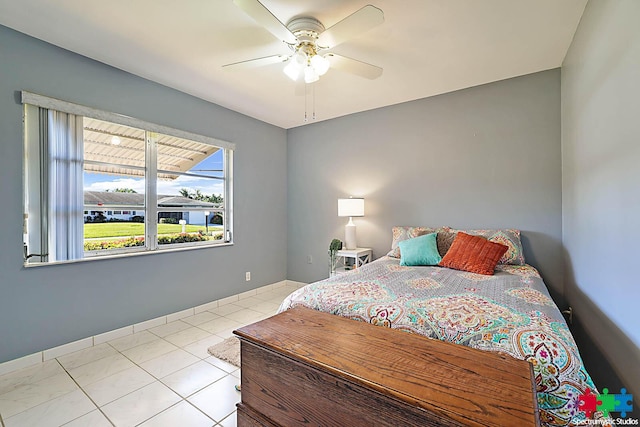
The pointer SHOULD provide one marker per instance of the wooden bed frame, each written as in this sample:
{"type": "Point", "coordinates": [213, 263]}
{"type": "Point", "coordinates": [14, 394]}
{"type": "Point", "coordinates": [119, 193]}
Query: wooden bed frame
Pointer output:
{"type": "Point", "coordinates": [303, 368]}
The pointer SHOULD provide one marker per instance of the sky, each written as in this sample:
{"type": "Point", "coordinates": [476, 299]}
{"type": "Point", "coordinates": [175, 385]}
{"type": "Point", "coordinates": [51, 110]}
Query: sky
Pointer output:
{"type": "Point", "coordinates": [104, 182]}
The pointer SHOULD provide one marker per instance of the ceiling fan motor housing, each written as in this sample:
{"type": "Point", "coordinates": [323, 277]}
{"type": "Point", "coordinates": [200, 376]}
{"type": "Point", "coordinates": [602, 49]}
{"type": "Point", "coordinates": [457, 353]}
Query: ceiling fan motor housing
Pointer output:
{"type": "Point", "coordinates": [306, 30]}
{"type": "Point", "coordinates": [305, 23]}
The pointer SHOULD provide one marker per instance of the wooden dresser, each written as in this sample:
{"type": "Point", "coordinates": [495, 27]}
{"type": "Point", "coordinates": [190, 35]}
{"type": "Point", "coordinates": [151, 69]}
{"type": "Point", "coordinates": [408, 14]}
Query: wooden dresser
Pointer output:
{"type": "Point", "coordinates": [307, 368]}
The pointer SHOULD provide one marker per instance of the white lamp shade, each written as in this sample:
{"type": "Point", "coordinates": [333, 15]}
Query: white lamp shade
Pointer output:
{"type": "Point", "coordinates": [300, 59]}
{"type": "Point", "coordinates": [310, 75]}
{"type": "Point", "coordinates": [350, 207]}
{"type": "Point", "coordinates": [320, 64]}
{"type": "Point", "coordinates": [292, 71]}
{"type": "Point", "coordinates": [295, 65]}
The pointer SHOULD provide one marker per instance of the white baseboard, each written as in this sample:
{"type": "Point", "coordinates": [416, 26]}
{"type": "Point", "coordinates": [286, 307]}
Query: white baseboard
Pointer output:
{"type": "Point", "coordinates": [52, 353]}
{"type": "Point", "coordinates": [296, 284]}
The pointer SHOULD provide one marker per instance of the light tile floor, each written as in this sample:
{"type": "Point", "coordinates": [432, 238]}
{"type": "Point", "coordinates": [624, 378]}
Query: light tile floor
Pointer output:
{"type": "Point", "coordinates": [159, 377]}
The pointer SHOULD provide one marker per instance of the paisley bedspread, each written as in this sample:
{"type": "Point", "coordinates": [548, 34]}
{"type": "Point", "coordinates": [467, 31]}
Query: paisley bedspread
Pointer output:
{"type": "Point", "coordinates": [510, 312]}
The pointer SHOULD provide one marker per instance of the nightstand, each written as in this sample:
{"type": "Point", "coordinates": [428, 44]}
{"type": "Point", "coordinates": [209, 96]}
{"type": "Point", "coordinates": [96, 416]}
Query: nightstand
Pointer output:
{"type": "Point", "coordinates": [350, 259]}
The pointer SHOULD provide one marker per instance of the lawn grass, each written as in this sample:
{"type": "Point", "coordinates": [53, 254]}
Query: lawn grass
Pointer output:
{"type": "Point", "coordinates": [126, 229]}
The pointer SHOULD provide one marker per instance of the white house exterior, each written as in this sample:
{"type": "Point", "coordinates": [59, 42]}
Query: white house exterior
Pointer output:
{"type": "Point", "coordinates": [116, 206]}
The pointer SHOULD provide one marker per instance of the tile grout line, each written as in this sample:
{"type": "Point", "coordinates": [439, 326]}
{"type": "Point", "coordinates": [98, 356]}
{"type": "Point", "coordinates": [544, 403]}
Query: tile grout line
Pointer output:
{"type": "Point", "coordinates": [99, 408]}
{"type": "Point", "coordinates": [125, 356]}
{"type": "Point", "coordinates": [46, 401]}
{"type": "Point", "coordinates": [159, 380]}
{"type": "Point", "coordinates": [164, 410]}
{"type": "Point", "coordinates": [86, 394]}
{"type": "Point", "coordinates": [181, 347]}
{"type": "Point", "coordinates": [182, 399]}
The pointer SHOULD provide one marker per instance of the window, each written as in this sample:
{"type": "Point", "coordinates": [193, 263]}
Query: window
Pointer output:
{"type": "Point", "coordinates": [116, 185]}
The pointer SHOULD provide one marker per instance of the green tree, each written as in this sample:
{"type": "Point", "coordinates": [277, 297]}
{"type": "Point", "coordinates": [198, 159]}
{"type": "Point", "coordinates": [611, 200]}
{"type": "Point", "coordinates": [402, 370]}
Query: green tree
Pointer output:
{"type": "Point", "coordinates": [216, 198]}
{"type": "Point", "coordinates": [198, 195]}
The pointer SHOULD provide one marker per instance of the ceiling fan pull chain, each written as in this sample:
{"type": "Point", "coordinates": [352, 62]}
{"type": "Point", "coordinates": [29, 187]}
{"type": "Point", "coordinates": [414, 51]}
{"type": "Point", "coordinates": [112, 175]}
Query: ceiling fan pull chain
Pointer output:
{"type": "Point", "coordinates": [313, 100]}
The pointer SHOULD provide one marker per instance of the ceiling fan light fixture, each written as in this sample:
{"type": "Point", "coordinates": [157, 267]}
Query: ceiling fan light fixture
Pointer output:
{"type": "Point", "coordinates": [299, 59]}
{"type": "Point", "coordinates": [292, 70]}
{"type": "Point", "coordinates": [295, 65]}
{"type": "Point", "coordinates": [320, 64]}
{"type": "Point", "coordinates": [306, 36]}
{"type": "Point", "coordinates": [310, 75]}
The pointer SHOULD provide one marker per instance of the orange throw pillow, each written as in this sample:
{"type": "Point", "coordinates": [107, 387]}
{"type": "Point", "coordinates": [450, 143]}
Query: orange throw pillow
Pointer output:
{"type": "Point", "coordinates": [473, 253]}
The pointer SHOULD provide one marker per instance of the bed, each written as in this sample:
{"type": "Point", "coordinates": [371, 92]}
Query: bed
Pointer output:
{"type": "Point", "coordinates": [509, 312]}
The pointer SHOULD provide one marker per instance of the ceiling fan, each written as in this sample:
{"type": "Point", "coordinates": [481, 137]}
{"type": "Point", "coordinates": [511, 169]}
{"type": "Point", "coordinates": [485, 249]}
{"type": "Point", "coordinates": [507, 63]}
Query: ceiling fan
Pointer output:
{"type": "Point", "coordinates": [308, 39]}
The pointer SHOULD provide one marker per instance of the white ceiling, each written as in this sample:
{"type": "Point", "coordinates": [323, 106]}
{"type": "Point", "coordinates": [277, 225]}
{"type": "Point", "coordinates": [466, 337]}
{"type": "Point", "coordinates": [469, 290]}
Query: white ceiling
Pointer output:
{"type": "Point", "coordinates": [426, 47]}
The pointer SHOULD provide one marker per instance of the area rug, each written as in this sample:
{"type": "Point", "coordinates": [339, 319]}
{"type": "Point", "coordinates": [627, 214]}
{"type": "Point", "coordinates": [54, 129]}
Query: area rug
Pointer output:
{"type": "Point", "coordinates": [227, 350]}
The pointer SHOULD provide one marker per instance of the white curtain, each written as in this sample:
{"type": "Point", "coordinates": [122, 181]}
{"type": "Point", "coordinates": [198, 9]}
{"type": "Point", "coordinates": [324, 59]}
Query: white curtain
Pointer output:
{"type": "Point", "coordinates": [65, 186]}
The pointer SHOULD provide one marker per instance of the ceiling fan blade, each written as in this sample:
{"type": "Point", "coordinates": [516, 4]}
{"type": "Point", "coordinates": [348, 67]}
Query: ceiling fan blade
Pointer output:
{"type": "Point", "coordinates": [354, 66]}
{"type": "Point", "coordinates": [258, 62]}
{"type": "Point", "coordinates": [264, 17]}
{"type": "Point", "coordinates": [354, 24]}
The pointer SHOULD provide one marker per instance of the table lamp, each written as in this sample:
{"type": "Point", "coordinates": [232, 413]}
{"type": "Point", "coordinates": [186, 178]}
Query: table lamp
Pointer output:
{"type": "Point", "coordinates": [350, 207]}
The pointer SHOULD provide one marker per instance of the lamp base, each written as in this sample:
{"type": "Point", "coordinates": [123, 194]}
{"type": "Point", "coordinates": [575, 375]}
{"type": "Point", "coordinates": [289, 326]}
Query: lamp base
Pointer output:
{"type": "Point", "coordinates": [350, 236]}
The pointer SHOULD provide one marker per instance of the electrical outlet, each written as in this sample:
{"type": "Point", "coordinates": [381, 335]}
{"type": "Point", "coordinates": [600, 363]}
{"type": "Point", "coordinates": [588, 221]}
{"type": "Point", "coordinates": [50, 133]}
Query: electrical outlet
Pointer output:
{"type": "Point", "coordinates": [309, 259]}
{"type": "Point", "coordinates": [247, 276]}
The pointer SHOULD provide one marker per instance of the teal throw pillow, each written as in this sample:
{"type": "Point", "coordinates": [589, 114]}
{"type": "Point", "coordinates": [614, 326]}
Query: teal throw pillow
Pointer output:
{"type": "Point", "coordinates": [421, 250]}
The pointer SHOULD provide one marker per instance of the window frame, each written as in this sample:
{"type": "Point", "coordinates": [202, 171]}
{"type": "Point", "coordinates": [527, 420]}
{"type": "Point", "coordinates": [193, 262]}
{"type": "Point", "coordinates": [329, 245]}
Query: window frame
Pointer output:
{"type": "Point", "coordinates": [151, 178]}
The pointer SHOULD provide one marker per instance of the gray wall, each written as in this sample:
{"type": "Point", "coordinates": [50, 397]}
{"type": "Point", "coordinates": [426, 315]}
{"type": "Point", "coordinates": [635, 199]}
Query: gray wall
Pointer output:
{"type": "Point", "coordinates": [601, 180]}
{"type": "Point", "coordinates": [484, 157]}
{"type": "Point", "coordinates": [47, 306]}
